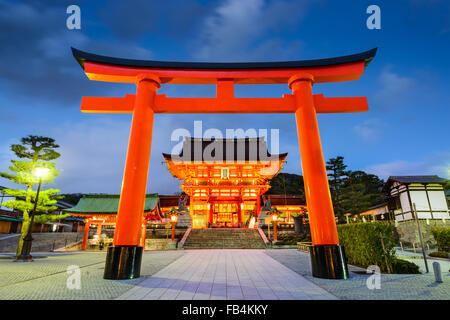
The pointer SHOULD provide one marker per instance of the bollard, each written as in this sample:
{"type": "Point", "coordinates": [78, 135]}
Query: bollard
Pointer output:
{"type": "Point", "coordinates": [437, 271]}
{"type": "Point", "coordinates": [401, 245]}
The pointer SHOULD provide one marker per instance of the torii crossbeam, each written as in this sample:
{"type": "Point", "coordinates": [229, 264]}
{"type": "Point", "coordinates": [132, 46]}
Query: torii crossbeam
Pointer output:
{"type": "Point", "coordinates": [124, 257]}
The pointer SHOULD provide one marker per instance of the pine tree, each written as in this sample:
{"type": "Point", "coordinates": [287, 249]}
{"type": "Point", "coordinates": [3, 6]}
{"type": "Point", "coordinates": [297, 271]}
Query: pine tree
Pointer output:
{"type": "Point", "coordinates": [360, 191]}
{"type": "Point", "coordinates": [336, 182]}
{"type": "Point", "coordinates": [354, 199]}
{"type": "Point", "coordinates": [286, 183]}
{"type": "Point", "coordinates": [38, 152]}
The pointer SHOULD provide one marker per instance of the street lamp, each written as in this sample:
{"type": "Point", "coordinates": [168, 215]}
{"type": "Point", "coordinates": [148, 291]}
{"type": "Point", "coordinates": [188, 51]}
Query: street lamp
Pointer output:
{"type": "Point", "coordinates": [27, 240]}
{"type": "Point", "coordinates": [173, 219]}
{"type": "Point", "coordinates": [275, 213]}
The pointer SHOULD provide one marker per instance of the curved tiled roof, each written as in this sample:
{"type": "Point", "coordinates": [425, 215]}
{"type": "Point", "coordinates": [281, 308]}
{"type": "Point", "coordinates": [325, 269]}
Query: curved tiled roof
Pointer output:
{"type": "Point", "coordinates": [245, 149]}
{"type": "Point", "coordinates": [107, 204]}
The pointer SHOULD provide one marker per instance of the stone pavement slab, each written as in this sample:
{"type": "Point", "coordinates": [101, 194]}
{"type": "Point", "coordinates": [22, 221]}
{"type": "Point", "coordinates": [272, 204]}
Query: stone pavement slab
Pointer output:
{"type": "Point", "coordinates": [393, 286]}
{"type": "Point", "coordinates": [226, 274]}
{"type": "Point", "coordinates": [205, 274]}
{"type": "Point", "coordinates": [46, 278]}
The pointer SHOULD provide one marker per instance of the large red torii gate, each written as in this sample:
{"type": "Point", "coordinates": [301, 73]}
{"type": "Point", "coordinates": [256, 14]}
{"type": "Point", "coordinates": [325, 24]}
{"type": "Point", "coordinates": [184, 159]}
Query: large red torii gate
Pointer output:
{"type": "Point", "coordinates": [124, 257]}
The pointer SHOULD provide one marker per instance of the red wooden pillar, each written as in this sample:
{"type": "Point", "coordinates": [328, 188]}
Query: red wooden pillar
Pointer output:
{"type": "Point", "coordinates": [210, 213]}
{"type": "Point", "coordinates": [143, 234]}
{"type": "Point", "coordinates": [173, 231]}
{"type": "Point", "coordinates": [258, 206]}
{"type": "Point", "coordinates": [99, 230]}
{"type": "Point", "coordinates": [85, 235]}
{"type": "Point", "coordinates": [328, 260]}
{"type": "Point", "coordinates": [239, 213]}
{"type": "Point", "coordinates": [124, 257]}
{"type": "Point", "coordinates": [275, 239]}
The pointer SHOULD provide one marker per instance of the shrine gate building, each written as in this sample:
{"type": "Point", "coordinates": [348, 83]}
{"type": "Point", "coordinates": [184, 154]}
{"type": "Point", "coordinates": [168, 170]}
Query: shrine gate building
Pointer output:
{"type": "Point", "coordinates": [224, 179]}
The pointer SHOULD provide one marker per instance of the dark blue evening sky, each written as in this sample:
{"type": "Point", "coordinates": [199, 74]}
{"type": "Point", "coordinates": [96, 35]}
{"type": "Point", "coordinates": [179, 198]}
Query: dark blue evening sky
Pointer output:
{"type": "Point", "coordinates": [405, 131]}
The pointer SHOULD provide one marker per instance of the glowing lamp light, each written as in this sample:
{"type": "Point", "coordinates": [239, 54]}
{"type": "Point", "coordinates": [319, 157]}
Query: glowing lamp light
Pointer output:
{"type": "Point", "coordinates": [41, 172]}
{"type": "Point", "coordinates": [274, 217]}
{"type": "Point", "coordinates": [173, 219]}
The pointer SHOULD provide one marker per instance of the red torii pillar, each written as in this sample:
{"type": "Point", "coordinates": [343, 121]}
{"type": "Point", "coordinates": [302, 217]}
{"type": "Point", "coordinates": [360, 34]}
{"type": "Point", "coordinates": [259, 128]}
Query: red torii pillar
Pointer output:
{"type": "Point", "coordinates": [124, 257]}
{"type": "Point", "coordinates": [326, 250]}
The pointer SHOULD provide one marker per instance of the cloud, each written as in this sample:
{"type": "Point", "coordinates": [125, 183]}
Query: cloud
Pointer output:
{"type": "Point", "coordinates": [36, 60]}
{"type": "Point", "coordinates": [394, 89]}
{"type": "Point", "coordinates": [436, 164]}
{"type": "Point", "coordinates": [93, 153]}
{"type": "Point", "coordinates": [237, 30]}
{"type": "Point", "coordinates": [175, 18]}
{"type": "Point", "coordinates": [370, 129]}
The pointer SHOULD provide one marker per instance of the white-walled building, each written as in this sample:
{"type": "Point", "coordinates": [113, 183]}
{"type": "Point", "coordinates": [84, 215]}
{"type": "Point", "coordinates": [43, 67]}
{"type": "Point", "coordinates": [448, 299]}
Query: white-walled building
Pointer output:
{"type": "Point", "coordinates": [426, 192]}
{"type": "Point", "coordinates": [428, 195]}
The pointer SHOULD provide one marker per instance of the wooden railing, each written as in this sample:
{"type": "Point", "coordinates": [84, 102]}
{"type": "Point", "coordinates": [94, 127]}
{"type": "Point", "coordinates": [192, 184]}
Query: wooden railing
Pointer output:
{"type": "Point", "coordinates": [304, 246]}
{"type": "Point", "coordinates": [263, 236]}
{"type": "Point", "coordinates": [185, 236]}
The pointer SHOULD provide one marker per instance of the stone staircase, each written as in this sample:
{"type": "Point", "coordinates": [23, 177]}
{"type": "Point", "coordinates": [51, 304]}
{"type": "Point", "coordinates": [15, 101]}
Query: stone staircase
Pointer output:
{"type": "Point", "coordinates": [224, 239]}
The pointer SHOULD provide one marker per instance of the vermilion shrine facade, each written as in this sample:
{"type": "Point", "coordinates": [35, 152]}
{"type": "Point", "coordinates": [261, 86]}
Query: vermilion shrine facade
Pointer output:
{"type": "Point", "coordinates": [225, 190]}
{"type": "Point", "coordinates": [124, 257]}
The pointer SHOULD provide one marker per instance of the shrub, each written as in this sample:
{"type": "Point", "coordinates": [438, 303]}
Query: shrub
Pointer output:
{"type": "Point", "coordinates": [439, 254]}
{"type": "Point", "coordinates": [291, 239]}
{"type": "Point", "coordinates": [403, 266]}
{"type": "Point", "coordinates": [442, 237]}
{"type": "Point", "coordinates": [363, 246]}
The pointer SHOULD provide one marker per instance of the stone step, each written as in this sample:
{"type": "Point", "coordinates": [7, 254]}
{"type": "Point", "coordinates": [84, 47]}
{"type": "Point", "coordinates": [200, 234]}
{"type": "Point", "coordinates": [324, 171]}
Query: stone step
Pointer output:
{"type": "Point", "coordinates": [224, 238]}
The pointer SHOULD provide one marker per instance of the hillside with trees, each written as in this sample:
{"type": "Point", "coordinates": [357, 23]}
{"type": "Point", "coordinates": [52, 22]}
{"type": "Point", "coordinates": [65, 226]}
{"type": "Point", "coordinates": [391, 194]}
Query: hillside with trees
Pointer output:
{"type": "Point", "coordinates": [351, 191]}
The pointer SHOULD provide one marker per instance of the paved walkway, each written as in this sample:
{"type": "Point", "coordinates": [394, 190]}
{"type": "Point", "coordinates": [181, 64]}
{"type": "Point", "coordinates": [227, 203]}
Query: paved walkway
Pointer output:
{"type": "Point", "coordinates": [393, 286]}
{"type": "Point", "coordinates": [226, 274]}
{"type": "Point", "coordinates": [205, 274]}
{"type": "Point", "coordinates": [417, 258]}
{"type": "Point", "coordinates": [46, 277]}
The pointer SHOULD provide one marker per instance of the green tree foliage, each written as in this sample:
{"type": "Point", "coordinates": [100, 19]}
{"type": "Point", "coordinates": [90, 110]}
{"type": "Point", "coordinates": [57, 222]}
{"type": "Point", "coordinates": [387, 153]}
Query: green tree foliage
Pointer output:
{"type": "Point", "coordinates": [37, 152]}
{"type": "Point", "coordinates": [292, 184]}
{"type": "Point", "coordinates": [336, 177]}
{"type": "Point", "coordinates": [442, 237]}
{"type": "Point", "coordinates": [72, 198]}
{"type": "Point", "coordinates": [352, 191]}
{"type": "Point", "coordinates": [354, 199]}
{"type": "Point", "coordinates": [360, 191]}
{"type": "Point", "coordinates": [287, 183]}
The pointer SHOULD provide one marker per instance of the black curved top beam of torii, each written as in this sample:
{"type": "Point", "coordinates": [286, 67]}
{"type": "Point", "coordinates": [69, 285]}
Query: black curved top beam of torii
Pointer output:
{"type": "Point", "coordinates": [82, 56]}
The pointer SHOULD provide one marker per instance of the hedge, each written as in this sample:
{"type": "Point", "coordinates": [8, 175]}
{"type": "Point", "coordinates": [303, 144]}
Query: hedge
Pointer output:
{"type": "Point", "coordinates": [439, 254]}
{"type": "Point", "coordinates": [442, 237]}
{"type": "Point", "coordinates": [363, 246]}
{"type": "Point", "coordinates": [404, 266]}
